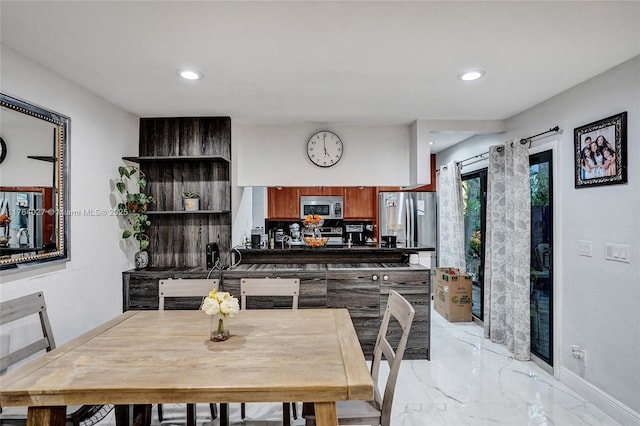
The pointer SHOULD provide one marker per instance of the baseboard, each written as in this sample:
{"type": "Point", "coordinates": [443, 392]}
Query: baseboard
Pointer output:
{"type": "Point", "coordinates": [611, 406]}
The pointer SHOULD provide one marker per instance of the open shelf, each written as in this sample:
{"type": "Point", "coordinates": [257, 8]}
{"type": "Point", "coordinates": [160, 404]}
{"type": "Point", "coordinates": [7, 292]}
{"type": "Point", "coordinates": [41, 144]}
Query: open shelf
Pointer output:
{"type": "Point", "coordinates": [160, 158]}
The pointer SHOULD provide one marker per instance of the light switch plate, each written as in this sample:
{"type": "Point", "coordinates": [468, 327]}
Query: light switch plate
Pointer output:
{"type": "Point", "coordinates": [617, 252]}
{"type": "Point", "coordinates": [585, 248]}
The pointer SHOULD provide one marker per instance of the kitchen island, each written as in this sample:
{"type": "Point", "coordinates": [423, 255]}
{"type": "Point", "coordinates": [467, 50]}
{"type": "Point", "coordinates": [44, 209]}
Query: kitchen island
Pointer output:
{"type": "Point", "coordinates": [362, 288]}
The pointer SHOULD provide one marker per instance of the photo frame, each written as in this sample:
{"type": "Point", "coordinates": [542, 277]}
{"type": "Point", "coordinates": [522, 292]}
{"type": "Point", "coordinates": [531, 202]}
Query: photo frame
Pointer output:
{"type": "Point", "coordinates": [600, 150]}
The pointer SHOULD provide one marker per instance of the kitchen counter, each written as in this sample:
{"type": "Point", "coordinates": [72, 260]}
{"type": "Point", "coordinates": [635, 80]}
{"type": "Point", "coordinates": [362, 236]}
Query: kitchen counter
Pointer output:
{"type": "Point", "coordinates": [306, 255]}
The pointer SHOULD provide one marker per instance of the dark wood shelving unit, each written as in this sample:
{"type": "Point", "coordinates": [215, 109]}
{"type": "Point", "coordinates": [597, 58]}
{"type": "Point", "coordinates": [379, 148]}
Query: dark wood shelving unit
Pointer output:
{"type": "Point", "coordinates": [179, 154]}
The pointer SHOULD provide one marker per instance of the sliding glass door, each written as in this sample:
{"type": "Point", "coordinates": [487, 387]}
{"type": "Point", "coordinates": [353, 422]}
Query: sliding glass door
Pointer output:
{"type": "Point", "coordinates": [474, 192]}
{"type": "Point", "coordinates": [541, 301]}
{"type": "Point", "coordinates": [474, 186]}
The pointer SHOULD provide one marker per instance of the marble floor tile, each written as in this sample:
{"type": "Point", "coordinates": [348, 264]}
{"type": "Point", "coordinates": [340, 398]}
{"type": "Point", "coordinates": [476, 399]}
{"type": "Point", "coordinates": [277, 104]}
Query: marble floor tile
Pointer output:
{"type": "Point", "coordinates": [469, 381]}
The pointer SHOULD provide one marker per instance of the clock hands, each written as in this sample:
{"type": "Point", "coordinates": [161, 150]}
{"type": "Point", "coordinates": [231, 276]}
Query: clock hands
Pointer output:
{"type": "Point", "coordinates": [324, 144]}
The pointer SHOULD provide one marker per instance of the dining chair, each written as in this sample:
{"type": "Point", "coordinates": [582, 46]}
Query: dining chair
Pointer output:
{"type": "Point", "coordinates": [378, 411]}
{"type": "Point", "coordinates": [18, 312]}
{"type": "Point", "coordinates": [183, 288]}
{"type": "Point", "coordinates": [271, 287]}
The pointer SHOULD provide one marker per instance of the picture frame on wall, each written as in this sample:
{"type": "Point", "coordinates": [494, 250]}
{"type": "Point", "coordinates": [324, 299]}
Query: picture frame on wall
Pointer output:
{"type": "Point", "coordinates": [601, 152]}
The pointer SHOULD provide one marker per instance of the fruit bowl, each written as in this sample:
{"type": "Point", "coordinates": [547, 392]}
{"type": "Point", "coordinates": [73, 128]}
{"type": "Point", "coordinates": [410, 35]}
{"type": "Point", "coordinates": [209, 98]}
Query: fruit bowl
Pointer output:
{"type": "Point", "coordinates": [313, 221]}
{"type": "Point", "coordinates": [315, 241]}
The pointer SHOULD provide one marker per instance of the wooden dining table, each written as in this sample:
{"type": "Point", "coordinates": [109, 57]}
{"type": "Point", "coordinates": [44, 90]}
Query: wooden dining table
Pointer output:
{"type": "Point", "coordinates": [146, 357]}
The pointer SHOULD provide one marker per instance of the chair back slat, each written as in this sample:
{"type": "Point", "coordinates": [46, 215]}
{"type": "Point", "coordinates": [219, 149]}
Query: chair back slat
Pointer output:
{"type": "Point", "coordinates": [399, 308]}
{"type": "Point", "coordinates": [23, 307]}
{"type": "Point", "coordinates": [269, 287]}
{"type": "Point", "coordinates": [185, 288]}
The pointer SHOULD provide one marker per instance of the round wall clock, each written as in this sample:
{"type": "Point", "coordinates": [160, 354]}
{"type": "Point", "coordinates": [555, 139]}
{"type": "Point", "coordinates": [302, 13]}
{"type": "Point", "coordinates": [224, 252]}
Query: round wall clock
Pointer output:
{"type": "Point", "coordinates": [324, 149]}
{"type": "Point", "coordinates": [3, 150]}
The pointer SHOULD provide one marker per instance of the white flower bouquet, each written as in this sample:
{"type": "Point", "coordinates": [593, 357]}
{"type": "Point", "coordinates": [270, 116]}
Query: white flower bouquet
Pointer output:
{"type": "Point", "coordinates": [223, 305]}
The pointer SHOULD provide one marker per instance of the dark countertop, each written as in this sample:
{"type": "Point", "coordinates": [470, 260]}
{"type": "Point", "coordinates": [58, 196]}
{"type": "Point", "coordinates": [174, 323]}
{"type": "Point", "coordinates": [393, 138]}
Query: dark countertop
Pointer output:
{"type": "Point", "coordinates": [283, 267]}
{"type": "Point", "coordinates": [322, 267]}
{"type": "Point", "coordinates": [329, 255]}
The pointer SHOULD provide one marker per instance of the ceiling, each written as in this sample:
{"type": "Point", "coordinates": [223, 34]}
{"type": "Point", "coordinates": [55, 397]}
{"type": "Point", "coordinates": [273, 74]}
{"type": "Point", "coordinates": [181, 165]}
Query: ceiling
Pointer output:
{"type": "Point", "coordinates": [349, 62]}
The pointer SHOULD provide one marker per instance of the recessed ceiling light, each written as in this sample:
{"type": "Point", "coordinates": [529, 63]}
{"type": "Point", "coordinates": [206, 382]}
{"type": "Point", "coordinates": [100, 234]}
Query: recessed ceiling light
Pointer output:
{"type": "Point", "coordinates": [471, 75]}
{"type": "Point", "coordinates": [188, 74]}
{"type": "Point", "coordinates": [430, 142]}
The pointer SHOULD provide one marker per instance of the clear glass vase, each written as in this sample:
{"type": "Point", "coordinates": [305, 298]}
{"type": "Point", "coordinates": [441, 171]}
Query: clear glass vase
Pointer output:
{"type": "Point", "coordinates": [219, 328]}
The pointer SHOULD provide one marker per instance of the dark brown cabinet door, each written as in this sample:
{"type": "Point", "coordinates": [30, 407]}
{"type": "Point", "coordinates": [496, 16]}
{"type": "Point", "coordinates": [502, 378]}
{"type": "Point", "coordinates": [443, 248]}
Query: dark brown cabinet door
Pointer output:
{"type": "Point", "coordinates": [360, 202]}
{"type": "Point", "coordinates": [320, 190]}
{"type": "Point", "coordinates": [283, 203]}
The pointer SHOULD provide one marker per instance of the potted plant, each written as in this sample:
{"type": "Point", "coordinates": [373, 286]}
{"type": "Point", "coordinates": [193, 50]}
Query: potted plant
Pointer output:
{"type": "Point", "coordinates": [191, 200]}
{"type": "Point", "coordinates": [133, 208]}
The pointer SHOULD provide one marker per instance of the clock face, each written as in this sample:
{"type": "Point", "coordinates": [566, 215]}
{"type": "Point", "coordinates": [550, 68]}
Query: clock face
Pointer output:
{"type": "Point", "coordinates": [324, 149]}
{"type": "Point", "coordinates": [3, 150]}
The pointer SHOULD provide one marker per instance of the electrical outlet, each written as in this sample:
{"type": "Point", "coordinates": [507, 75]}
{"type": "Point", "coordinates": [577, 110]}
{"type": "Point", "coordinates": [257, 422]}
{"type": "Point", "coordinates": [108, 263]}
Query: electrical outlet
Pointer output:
{"type": "Point", "coordinates": [580, 354]}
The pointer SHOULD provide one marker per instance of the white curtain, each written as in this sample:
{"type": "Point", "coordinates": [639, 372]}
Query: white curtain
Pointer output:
{"type": "Point", "coordinates": [450, 217]}
{"type": "Point", "coordinates": [507, 249]}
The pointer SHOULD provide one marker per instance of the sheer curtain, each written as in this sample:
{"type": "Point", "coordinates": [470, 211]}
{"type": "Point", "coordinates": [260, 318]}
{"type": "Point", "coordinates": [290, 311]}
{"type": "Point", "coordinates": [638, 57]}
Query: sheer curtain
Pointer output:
{"type": "Point", "coordinates": [450, 217]}
{"type": "Point", "coordinates": [507, 249]}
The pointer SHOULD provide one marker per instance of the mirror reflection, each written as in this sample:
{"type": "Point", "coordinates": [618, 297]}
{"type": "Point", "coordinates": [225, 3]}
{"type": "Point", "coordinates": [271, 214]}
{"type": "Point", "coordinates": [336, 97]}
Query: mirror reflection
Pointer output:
{"type": "Point", "coordinates": [33, 192]}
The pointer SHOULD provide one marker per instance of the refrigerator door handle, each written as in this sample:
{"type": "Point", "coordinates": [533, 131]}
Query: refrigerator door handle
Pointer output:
{"type": "Point", "coordinates": [410, 229]}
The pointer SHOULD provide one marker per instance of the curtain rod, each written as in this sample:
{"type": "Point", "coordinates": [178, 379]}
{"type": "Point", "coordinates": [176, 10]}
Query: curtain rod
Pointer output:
{"type": "Point", "coordinates": [522, 141]}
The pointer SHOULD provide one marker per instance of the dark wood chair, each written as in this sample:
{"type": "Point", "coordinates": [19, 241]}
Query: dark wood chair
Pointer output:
{"type": "Point", "coordinates": [33, 305]}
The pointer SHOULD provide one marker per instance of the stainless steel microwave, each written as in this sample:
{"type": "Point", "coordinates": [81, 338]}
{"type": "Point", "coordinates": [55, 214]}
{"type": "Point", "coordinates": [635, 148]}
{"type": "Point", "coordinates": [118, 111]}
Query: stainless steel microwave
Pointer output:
{"type": "Point", "coordinates": [328, 207]}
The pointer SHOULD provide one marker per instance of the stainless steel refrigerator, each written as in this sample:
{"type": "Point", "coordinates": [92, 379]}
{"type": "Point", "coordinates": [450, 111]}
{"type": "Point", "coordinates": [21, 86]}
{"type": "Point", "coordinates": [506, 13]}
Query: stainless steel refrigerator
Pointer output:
{"type": "Point", "coordinates": [410, 217]}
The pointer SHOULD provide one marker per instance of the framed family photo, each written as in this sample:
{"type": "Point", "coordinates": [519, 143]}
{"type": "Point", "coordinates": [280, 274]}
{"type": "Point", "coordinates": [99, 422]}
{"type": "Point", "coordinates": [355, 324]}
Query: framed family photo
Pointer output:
{"type": "Point", "coordinates": [601, 152]}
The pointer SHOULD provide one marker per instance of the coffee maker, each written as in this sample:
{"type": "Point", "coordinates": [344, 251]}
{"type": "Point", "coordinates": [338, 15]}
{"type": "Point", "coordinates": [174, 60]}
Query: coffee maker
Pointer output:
{"type": "Point", "coordinates": [354, 233]}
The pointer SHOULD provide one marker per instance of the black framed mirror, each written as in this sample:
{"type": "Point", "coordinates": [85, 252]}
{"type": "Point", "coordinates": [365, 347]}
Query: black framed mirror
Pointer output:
{"type": "Point", "coordinates": [35, 173]}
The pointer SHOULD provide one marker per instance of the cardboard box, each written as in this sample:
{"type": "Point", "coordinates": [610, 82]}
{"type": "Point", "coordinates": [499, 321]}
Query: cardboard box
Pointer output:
{"type": "Point", "coordinates": [453, 294]}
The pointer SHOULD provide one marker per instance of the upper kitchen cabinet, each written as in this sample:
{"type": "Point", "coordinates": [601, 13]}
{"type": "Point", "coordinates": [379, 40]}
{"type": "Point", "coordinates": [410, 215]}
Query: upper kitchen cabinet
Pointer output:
{"type": "Point", "coordinates": [320, 190]}
{"type": "Point", "coordinates": [360, 202]}
{"type": "Point", "coordinates": [186, 154]}
{"type": "Point", "coordinates": [283, 203]}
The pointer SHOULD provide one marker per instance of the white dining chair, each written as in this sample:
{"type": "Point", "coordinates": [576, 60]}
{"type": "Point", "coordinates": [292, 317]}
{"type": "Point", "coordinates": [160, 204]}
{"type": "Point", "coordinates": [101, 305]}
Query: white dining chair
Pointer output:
{"type": "Point", "coordinates": [22, 310]}
{"type": "Point", "coordinates": [182, 288]}
{"type": "Point", "coordinates": [271, 287]}
{"type": "Point", "coordinates": [378, 411]}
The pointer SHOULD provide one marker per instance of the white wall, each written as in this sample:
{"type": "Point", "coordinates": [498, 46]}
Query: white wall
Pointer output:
{"type": "Point", "coordinates": [87, 290]}
{"type": "Point", "coordinates": [599, 300]}
{"type": "Point", "coordinates": [277, 156]}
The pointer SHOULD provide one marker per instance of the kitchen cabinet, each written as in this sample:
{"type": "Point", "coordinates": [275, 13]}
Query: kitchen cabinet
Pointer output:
{"type": "Point", "coordinates": [416, 289]}
{"type": "Point", "coordinates": [283, 203]}
{"type": "Point", "coordinates": [320, 190]}
{"type": "Point", "coordinates": [357, 291]}
{"type": "Point", "coordinates": [176, 155]}
{"type": "Point", "coordinates": [360, 202]}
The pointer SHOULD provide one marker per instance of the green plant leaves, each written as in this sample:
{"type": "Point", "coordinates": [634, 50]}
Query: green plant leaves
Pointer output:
{"type": "Point", "coordinates": [134, 205]}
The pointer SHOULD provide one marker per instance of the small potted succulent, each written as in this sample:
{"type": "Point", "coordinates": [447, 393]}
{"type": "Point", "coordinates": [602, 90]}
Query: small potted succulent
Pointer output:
{"type": "Point", "coordinates": [191, 200]}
